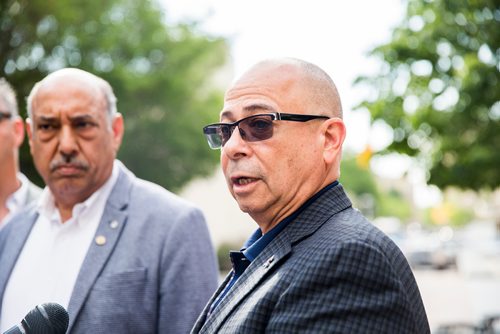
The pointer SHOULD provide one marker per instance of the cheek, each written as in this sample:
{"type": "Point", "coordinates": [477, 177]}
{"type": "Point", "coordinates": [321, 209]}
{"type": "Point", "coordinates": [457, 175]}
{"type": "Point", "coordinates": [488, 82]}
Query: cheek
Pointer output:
{"type": "Point", "coordinates": [224, 161]}
{"type": "Point", "coordinates": [39, 152]}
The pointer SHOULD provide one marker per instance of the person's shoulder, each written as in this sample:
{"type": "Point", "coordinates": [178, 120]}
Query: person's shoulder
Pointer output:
{"type": "Point", "coordinates": [352, 227]}
{"type": "Point", "coordinates": [149, 188]}
{"type": "Point", "coordinates": [24, 216]}
{"type": "Point", "coordinates": [144, 191]}
{"type": "Point", "coordinates": [155, 197]}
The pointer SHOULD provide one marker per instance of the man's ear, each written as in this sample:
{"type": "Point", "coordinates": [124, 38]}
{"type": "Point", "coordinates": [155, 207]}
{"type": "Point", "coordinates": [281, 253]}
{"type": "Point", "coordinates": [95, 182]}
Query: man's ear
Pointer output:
{"type": "Point", "coordinates": [29, 131]}
{"type": "Point", "coordinates": [334, 134]}
{"type": "Point", "coordinates": [18, 131]}
{"type": "Point", "coordinates": [118, 129]}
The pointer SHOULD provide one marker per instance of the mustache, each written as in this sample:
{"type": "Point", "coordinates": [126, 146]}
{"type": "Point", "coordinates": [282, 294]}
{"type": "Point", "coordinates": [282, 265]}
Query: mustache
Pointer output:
{"type": "Point", "coordinates": [244, 169]}
{"type": "Point", "coordinates": [68, 162]}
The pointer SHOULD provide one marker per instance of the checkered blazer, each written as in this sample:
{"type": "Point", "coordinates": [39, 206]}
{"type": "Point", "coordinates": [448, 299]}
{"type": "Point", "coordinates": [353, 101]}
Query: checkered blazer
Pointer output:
{"type": "Point", "coordinates": [328, 271]}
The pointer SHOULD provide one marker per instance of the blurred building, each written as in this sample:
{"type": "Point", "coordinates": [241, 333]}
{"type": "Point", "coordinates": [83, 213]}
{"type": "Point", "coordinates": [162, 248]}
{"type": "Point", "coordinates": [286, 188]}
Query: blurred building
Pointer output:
{"type": "Point", "coordinates": [225, 220]}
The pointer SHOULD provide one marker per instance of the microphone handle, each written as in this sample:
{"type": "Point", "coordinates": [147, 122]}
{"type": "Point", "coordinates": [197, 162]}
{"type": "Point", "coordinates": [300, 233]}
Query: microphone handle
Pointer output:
{"type": "Point", "coordinates": [16, 329]}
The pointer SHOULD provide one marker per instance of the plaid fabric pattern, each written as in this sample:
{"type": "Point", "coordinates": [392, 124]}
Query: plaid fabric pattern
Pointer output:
{"type": "Point", "coordinates": [329, 271]}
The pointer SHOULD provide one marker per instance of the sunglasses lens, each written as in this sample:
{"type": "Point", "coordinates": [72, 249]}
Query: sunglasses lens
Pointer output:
{"type": "Point", "coordinates": [213, 136]}
{"type": "Point", "coordinates": [225, 132]}
{"type": "Point", "coordinates": [253, 128]}
{"type": "Point", "coordinates": [259, 127]}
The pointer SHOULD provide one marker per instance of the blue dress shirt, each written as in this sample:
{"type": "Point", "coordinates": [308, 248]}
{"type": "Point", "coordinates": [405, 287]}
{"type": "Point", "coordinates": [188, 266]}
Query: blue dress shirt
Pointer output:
{"type": "Point", "coordinates": [256, 244]}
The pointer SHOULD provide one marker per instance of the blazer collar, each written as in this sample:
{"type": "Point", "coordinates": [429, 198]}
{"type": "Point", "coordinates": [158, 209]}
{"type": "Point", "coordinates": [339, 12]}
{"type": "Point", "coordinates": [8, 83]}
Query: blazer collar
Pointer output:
{"type": "Point", "coordinates": [330, 203]}
{"type": "Point", "coordinates": [109, 230]}
{"type": "Point", "coordinates": [307, 222]}
{"type": "Point", "coordinates": [107, 235]}
{"type": "Point", "coordinates": [15, 235]}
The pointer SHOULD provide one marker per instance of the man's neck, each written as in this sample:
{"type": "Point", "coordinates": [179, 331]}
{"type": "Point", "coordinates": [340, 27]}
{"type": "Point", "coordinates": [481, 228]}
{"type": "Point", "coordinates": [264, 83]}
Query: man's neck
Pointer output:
{"type": "Point", "coordinates": [3, 213]}
{"type": "Point", "coordinates": [65, 212]}
{"type": "Point", "coordinates": [10, 183]}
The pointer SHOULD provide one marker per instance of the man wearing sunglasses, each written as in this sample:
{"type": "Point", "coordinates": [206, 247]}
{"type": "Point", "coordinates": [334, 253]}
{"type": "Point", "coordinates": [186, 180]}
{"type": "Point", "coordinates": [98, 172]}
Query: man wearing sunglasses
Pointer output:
{"type": "Point", "coordinates": [315, 265]}
{"type": "Point", "coordinates": [16, 191]}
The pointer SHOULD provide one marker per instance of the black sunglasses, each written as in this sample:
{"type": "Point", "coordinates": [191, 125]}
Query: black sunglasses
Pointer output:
{"type": "Point", "coordinates": [5, 115]}
{"type": "Point", "coordinates": [252, 128]}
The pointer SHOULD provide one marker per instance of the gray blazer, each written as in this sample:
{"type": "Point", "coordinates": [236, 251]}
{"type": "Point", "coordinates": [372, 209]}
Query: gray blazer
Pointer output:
{"type": "Point", "coordinates": [154, 273]}
{"type": "Point", "coordinates": [328, 271]}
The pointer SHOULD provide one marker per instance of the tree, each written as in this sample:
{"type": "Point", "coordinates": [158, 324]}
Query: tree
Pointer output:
{"type": "Point", "coordinates": [161, 74]}
{"type": "Point", "coordinates": [438, 90]}
{"type": "Point", "coordinates": [366, 193]}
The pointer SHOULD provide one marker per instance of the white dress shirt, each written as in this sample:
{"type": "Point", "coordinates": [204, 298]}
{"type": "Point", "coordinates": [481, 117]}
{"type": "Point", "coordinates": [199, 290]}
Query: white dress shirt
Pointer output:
{"type": "Point", "coordinates": [16, 200]}
{"type": "Point", "coordinates": [49, 263]}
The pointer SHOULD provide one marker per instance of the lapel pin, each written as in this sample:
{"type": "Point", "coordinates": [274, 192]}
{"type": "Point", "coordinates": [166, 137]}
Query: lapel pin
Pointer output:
{"type": "Point", "coordinates": [100, 240]}
{"type": "Point", "coordinates": [113, 224]}
{"type": "Point", "coordinates": [268, 262]}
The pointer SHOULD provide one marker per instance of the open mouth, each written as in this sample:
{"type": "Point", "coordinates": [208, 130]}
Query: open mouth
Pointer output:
{"type": "Point", "coordinates": [241, 181]}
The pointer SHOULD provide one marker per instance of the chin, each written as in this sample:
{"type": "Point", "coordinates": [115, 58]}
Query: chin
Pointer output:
{"type": "Point", "coordinates": [250, 208]}
{"type": "Point", "coordinates": [244, 207]}
{"type": "Point", "coordinates": [67, 188]}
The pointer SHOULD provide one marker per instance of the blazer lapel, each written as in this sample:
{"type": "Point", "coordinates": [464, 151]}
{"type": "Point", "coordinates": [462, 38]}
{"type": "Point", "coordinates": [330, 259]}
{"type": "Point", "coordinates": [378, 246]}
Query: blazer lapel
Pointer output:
{"type": "Point", "coordinates": [14, 242]}
{"type": "Point", "coordinates": [203, 316]}
{"type": "Point", "coordinates": [252, 276]}
{"type": "Point", "coordinates": [106, 238]}
{"type": "Point", "coordinates": [307, 222]}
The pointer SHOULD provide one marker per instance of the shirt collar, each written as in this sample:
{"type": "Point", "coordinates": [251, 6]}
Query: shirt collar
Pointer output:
{"type": "Point", "coordinates": [16, 200]}
{"type": "Point", "coordinates": [47, 208]}
{"type": "Point", "coordinates": [257, 242]}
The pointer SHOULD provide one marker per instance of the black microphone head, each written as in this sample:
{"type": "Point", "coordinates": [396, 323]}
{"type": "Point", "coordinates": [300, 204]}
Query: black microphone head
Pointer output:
{"type": "Point", "coordinates": [48, 318]}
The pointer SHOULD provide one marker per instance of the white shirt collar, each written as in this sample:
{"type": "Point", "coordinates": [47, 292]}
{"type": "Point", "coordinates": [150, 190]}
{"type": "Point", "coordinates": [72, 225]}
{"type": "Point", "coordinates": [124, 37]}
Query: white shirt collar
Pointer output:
{"type": "Point", "coordinates": [17, 199]}
{"type": "Point", "coordinates": [47, 208]}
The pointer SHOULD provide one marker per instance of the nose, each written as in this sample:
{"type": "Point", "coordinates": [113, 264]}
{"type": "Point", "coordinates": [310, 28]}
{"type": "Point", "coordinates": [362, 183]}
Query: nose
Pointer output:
{"type": "Point", "coordinates": [68, 146]}
{"type": "Point", "coordinates": [236, 147]}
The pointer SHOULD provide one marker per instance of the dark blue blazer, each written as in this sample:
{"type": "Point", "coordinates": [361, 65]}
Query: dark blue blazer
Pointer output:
{"type": "Point", "coordinates": [329, 271]}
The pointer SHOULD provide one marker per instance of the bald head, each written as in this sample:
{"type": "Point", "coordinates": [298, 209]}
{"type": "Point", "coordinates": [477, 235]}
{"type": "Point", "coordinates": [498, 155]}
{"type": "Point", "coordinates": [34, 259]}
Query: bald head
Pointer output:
{"type": "Point", "coordinates": [272, 175]}
{"type": "Point", "coordinates": [318, 89]}
{"type": "Point", "coordinates": [76, 77]}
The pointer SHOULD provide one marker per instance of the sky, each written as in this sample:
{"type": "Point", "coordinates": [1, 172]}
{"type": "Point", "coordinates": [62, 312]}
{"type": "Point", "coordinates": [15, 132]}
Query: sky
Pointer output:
{"type": "Point", "coordinates": [336, 35]}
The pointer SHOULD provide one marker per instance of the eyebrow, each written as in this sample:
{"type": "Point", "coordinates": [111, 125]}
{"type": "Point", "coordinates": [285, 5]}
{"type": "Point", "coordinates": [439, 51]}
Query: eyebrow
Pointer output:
{"type": "Point", "coordinates": [71, 118]}
{"type": "Point", "coordinates": [45, 118]}
{"type": "Point", "coordinates": [84, 117]}
{"type": "Point", "coordinates": [249, 109]}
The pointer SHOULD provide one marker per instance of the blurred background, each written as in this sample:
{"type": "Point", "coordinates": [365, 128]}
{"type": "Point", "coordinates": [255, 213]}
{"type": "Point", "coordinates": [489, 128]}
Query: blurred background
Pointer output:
{"type": "Point", "coordinates": [419, 80]}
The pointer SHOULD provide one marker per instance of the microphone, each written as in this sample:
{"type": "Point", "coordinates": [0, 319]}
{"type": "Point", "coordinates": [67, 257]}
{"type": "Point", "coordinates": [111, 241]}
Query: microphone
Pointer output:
{"type": "Point", "coordinates": [48, 318]}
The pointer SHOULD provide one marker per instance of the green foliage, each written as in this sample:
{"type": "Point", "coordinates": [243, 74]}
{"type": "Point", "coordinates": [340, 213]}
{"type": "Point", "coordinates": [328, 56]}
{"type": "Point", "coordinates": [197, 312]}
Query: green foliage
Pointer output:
{"type": "Point", "coordinates": [355, 179]}
{"type": "Point", "coordinates": [366, 194]}
{"type": "Point", "coordinates": [161, 74]}
{"type": "Point", "coordinates": [394, 204]}
{"type": "Point", "coordinates": [448, 214]}
{"type": "Point", "coordinates": [438, 90]}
